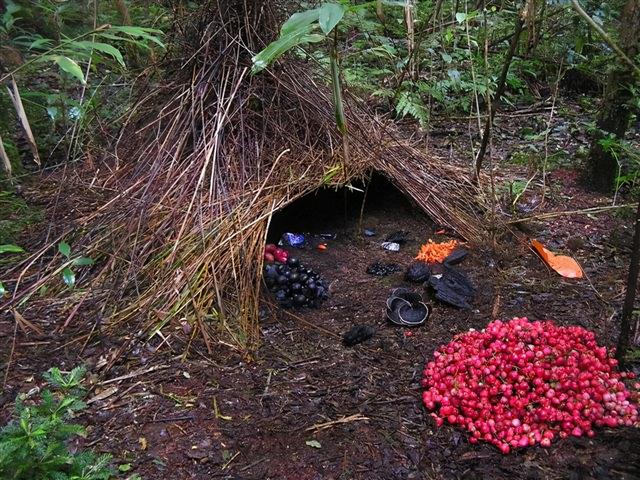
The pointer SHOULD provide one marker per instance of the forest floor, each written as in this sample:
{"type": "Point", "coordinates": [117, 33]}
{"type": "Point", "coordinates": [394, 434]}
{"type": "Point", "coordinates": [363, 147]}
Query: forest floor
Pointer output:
{"type": "Point", "coordinates": [223, 416]}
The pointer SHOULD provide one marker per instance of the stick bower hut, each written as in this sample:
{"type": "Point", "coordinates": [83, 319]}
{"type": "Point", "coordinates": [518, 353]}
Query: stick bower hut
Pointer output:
{"type": "Point", "coordinates": [206, 159]}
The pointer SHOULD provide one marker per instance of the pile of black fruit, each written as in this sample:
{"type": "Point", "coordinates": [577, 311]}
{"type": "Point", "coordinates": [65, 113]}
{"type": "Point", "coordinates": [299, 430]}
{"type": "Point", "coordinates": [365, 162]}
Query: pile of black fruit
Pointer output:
{"type": "Point", "coordinates": [294, 285]}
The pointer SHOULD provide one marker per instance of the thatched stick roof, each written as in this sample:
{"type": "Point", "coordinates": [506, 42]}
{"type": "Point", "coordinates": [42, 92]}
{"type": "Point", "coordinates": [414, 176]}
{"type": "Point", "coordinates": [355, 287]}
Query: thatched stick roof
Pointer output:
{"type": "Point", "coordinates": [199, 178]}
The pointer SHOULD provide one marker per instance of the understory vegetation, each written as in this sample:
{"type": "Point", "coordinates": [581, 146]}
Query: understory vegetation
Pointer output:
{"type": "Point", "coordinates": [36, 442]}
{"type": "Point", "coordinates": [75, 64]}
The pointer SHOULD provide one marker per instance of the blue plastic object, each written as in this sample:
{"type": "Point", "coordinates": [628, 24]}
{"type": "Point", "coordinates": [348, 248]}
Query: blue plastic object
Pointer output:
{"type": "Point", "coordinates": [293, 239]}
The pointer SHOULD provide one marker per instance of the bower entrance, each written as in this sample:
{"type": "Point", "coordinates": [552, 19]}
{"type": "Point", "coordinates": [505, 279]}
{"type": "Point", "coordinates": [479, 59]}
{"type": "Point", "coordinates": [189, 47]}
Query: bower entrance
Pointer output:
{"type": "Point", "coordinates": [337, 251]}
{"type": "Point", "coordinates": [337, 211]}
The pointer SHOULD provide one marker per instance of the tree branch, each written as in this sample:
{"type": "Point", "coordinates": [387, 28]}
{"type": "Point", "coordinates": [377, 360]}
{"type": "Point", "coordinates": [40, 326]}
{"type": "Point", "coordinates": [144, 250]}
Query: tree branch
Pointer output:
{"type": "Point", "coordinates": [578, 8]}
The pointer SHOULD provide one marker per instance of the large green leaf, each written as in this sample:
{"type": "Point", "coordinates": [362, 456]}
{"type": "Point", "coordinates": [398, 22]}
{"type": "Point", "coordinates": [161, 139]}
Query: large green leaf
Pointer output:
{"type": "Point", "coordinates": [39, 43]}
{"type": "Point", "coordinates": [329, 16]}
{"type": "Point", "coordinates": [298, 22]}
{"type": "Point", "coordinates": [69, 66]}
{"type": "Point", "coordinates": [277, 48]}
{"type": "Point", "coordinates": [110, 50]}
{"type": "Point", "coordinates": [83, 261]}
{"type": "Point", "coordinates": [117, 38]}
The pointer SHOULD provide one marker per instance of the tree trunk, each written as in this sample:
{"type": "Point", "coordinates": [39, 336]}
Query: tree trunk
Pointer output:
{"type": "Point", "coordinates": [615, 111]}
{"type": "Point", "coordinates": [123, 11]}
{"type": "Point", "coordinates": [630, 297]}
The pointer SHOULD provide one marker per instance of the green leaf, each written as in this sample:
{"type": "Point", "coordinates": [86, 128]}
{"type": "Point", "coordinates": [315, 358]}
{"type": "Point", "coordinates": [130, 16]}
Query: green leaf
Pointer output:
{"type": "Point", "coordinates": [40, 43]}
{"type": "Point", "coordinates": [299, 22]}
{"type": "Point", "coordinates": [276, 49]}
{"type": "Point", "coordinates": [125, 467]}
{"type": "Point", "coordinates": [337, 96]}
{"type": "Point", "coordinates": [83, 261]}
{"type": "Point", "coordinates": [313, 443]}
{"type": "Point", "coordinates": [329, 16]}
{"type": "Point", "coordinates": [10, 248]}
{"type": "Point", "coordinates": [461, 17]}
{"type": "Point", "coordinates": [69, 277]}
{"type": "Point", "coordinates": [69, 66]}
{"type": "Point", "coordinates": [110, 50]}
{"type": "Point", "coordinates": [150, 34]}
{"type": "Point", "coordinates": [3, 290]}
{"type": "Point", "coordinates": [64, 248]}
{"type": "Point", "coordinates": [331, 173]}
{"type": "Point", "coordinates": [116, 38]}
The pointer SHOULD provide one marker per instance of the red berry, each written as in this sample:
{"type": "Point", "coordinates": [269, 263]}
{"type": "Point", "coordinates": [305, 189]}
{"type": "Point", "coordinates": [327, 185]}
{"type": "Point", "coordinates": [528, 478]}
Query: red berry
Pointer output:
{"type": "Point", "coordinates": [519, 383]}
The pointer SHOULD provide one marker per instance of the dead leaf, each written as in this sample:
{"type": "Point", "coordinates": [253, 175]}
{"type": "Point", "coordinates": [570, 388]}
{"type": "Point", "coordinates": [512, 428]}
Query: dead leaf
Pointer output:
{"type": "Point", "coordinates": [565, 266]}
{"type": "Point", "coordinates": [143, 443]}
{"type": "Point", "coordinates": [14, 95]}
{"type": "Point", "coordinates": [103, 394]}
{"type": "Point", "coordinates": [6, 162]}
{"type": "Point", "coordinates": [26, 325]}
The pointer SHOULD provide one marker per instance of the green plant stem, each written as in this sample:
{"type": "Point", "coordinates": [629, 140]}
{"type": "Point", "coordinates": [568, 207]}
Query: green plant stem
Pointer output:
{"type": "Point", "coordinates": [578, 8]}
{"type": "Point", "coordinates": [493, 103]}
{"type": "Point", "coordinates": [419, 38]}
{"type": "Point", "coordinates": [341, 120]}
{"type": "Point", "coordinates": [53, 49]}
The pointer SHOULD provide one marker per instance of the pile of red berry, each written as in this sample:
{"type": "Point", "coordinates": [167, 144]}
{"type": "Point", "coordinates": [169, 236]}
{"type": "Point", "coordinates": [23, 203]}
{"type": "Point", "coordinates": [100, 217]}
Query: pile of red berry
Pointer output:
{"type": "Point", "coordinates": [520, 383]}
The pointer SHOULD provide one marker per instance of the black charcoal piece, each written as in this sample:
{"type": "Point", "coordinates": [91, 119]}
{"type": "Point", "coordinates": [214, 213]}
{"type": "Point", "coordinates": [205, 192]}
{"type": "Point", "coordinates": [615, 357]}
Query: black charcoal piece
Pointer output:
{"type": "Point", "coordinates": [418, 272]}
{"type": "Point", "coordinates": [358, 334]}
{"type": "Point", "coordinates": [456, 257]}
{"type": "Point", "coordinates": [453, 287]}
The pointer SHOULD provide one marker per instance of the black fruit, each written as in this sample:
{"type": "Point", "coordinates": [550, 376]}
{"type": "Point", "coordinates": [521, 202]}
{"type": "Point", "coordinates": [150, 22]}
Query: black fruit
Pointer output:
{"type": "Point", "coordinates": [294, 285]}
{"type": "Point", "coordinates": [293, 262]}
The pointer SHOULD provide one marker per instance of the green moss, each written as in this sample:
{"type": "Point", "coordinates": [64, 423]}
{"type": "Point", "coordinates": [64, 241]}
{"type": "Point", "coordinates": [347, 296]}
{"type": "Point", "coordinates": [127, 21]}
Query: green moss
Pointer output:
{"type": "Point", "coordinates": [15, 216]}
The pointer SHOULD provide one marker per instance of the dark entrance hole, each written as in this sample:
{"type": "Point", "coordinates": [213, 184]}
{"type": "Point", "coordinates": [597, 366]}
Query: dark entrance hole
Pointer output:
{"type": "Point", "coordinates": [330, 210]}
